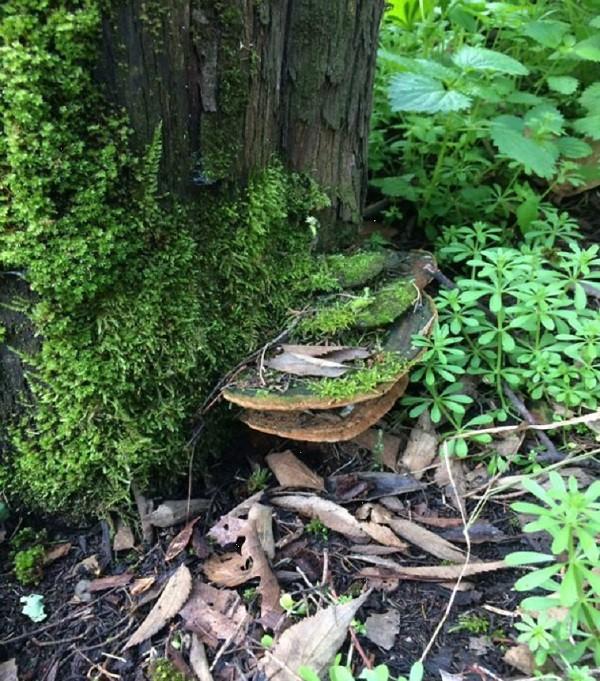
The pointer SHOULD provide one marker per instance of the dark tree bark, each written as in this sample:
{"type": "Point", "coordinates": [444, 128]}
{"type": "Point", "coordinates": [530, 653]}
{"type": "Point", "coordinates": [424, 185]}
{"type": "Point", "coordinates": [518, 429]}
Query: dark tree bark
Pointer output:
{"type": "Point", "coordinates": [237, 82]}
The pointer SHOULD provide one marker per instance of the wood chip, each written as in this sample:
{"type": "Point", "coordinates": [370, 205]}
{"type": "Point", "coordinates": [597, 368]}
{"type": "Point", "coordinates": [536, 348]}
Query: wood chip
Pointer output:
{"type": "Point", "coordinates": [172, 599]}
{"type": "Point", "coordinates": [419, 536]}
{"type": "Point", "coordinates": [421, 448]}
{"type": "Point", "coordinates": [56, 552]}
{"type": "Point", "coordinates": [291, 472]}
{"type": "Point", "coordinates": [170, 513]}
{"type": "Point", "coordinates": [312, 642]}
{"type": "Point", "coordinates": [123, 539]}
{"type": "Point", "coordinates": [141, 585]}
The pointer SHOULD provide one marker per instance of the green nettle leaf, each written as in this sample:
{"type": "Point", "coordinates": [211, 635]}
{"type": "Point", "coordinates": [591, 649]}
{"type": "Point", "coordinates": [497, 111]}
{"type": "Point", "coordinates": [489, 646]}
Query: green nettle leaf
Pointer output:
{"type": "Point", "coordinates": [398, 187]}
{"type": "Point", "coordinates": [547, 33]}
{"type": "Point", "coordinates": [588, 49]}
{"type": "Point", "coordinates": [537, 156]}
{"type": "Point", "coordinates": [590, 98]}
{"type": "Point", "coordinates": [565, 85]}
{"type": "Point", "coordinates": [423, 67]}
{"type": "Point", "coordinates": [414, 92]}
{"type": "Point", "coordinates": [573, 147]}
{"type": "Point", "coordinates": [544, 119]}
{"type": "Point", "coordinates": [482, 59]}
{"type": "Point", "coordinates": [588, 125]}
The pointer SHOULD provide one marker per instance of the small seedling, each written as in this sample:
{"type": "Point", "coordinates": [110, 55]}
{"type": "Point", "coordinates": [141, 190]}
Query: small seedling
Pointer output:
{"type": "Point", "coordinates": [317, 529]}
{"type": "Point", "coordinates": [291, 606]}
{"type": "Point", "coordinates": [258, 480]}
{"type": "Point", "coordinates": [471, 623]}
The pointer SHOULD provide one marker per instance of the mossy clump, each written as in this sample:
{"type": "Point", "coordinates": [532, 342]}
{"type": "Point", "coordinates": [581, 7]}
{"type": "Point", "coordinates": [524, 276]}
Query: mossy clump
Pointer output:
{"type": "Point", "coordinates": [165, 670]}
{"type": "Point", "coordinates": [371, 310]}
{"type": "Point", "coordinates": [349, 271]}
{"type": "Point", "coordinates": [385, 368]}
{"type": "Point", "coordinates": [142, 302]}
{"type": "Point", "coordinates": [27, 554]}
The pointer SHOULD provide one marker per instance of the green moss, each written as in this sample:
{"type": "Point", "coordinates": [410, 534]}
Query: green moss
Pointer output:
{"type": "Point", "coordinates": [388, 366]}
{"type": "Point", "coordinates": [348, 271]}
{"type": "Point", "coordinates": [142, 303]}
{"type": "Point", "coordinates": [164, 670]}
{"type": "Point", "coordinates": [371, 310]}
{"type": "Point", "coordinates": [28, 565]}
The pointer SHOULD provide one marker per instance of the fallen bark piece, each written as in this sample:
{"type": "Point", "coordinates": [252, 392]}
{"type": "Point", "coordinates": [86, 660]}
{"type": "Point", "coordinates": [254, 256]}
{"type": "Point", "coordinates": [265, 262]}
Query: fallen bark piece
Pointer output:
{"type": "Point", "coordinates": [234, 569]}
{"type": "Point", "coordinates": [9, 671]}
{"type": "Point", "coordinates": [180, 542]}
{"type": "Point", "coordinates": [384, 446]}
{"type": "Point", "coordinates": [57, 552]}
{"type": "Point", "coordinates": [421, 448]}
{"type": "Point", "coordinates": [170, 513]}
{"type": "Point", "coordinates": [172, 599]}
{"type": "Point", "coordinates": [313, 642]}
{"type": "Point", "coordinates": [123, 539]}
{"type": "Point", "coordinates": [198, 660]}
{"type": "Point", "coordinates": [427, 573]}
{"type": "Point", "coordinates": [383, 628]}
{"type": "Point", "coordinates": [419, 536]}
{"type": "Point", "coordinates": [332, 515]}
{"type": "Point", "coordinates": [291, 472]}
{"type": "Point", "coordinates": [214, 615]}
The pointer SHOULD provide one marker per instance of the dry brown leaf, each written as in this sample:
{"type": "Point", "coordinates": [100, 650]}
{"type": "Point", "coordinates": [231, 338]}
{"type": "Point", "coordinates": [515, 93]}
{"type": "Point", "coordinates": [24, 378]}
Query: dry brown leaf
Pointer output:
{"type": "Point", "coordinates": [233, 569]}
{"type": "Point", "coordinates": [383, 628]}
{"type": "Point", "coordinates": [144, 508]}
{"type": "Point", "coordinates": [442, 479]}
{"type": "Point", "coordinates": [426, 573]}
{"type": "Point", "coordinates": [384, 445]}
{"type": "Point", "coordinates": [421, 448]}
{"type": "Point", "coordinates": [124, 539]}
{"type": "Point", "coordinates": [56, 552]}
{"type": "Point", "coordinates": [305, 365]}
{"type": "Point", "coordinates": [383, 535]}
{"type": "Point", "coordinates": [198, 660]}
{"type": "Point", "coordinates": [521, 658]}
{"type": "Point", "coordinates": [421, 537]}
{"type": "Point", "coordinates": [214, 614]}
{"type": "Point", "coordinates": [8, 670]}
{"type": "Point", "coordinates": [480, 532]}
{"type": "Point", "coordinates": [262, 519]}
{"type": "Point", "coordinates": [181, 541]}
{"type": "Point", "coordinates": [141, 585]}
{"type": "Point", "coordinates": [228, 528]}
{"type": "Point", "coordinates": [436, 521]}
{"type": "Point", "coordinates": [313, 642]}
{"type": "Point", "coordinates": [313, 350]}
{"type": "Point", "coordinates": [371, 485]}
{"type": "Point", "coordinates": [291, 472]}
{"type": "Point", "coordinates": [89, 565]}
{"type": "Point", "coordinates": [112, 582]}
{"type": "Point", "coordinates": [332, 515]}
{"type": "Point", "coordinates": [172, 599]}
{"type": "Point", "coordinates": [373, 549]}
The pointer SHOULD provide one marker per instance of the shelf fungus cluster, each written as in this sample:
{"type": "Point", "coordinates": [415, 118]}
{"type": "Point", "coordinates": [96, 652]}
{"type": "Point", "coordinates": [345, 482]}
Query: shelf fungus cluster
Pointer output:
{"type": "Point", "coordinates": [348, 353]}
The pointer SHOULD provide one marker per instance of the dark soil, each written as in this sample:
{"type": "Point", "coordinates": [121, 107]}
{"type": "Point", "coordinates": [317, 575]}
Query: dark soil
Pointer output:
{"type": "Point", "coordinates": [85, 640]}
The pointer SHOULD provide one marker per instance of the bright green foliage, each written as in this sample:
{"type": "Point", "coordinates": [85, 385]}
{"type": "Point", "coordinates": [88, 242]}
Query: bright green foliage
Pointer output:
{"type": "Point", "coordinates": [519, 316]}
{"type": "Point", "coordinates": [258, 480]}
{"type": "Point", "coordinates": [318, 529]}
{"type": "Point", "coordinates": [141, 302]}
{"type": "Point", "coordinates": [508, 92]}
{"type": "Point", "coordinates": [471, 623]}
{"type": "Point", "coordinates": [572, 518]}
{"type": "Point", "coordinates": [27, 553]}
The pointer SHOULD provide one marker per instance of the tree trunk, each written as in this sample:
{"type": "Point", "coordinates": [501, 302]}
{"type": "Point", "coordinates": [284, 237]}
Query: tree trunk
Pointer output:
{"type": "Point", "coordinates": [238, 82]}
